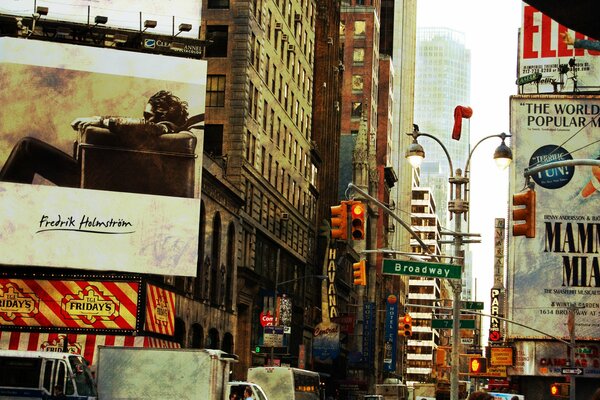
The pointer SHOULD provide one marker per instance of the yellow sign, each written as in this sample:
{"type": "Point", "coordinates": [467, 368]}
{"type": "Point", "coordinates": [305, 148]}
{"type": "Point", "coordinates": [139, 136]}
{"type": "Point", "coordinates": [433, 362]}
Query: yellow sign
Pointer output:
{"type": "Point", "coordinates": [501, 356]}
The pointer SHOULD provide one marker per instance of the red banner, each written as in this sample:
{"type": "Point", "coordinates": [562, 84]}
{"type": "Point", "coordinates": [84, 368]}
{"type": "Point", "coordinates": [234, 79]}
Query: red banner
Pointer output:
{"type": "Point", "coordinates": [69, 304]}
{"type": "Point", "coordinates": [160, 311]}
{"type": "Point", "coordinates": [86, 345]}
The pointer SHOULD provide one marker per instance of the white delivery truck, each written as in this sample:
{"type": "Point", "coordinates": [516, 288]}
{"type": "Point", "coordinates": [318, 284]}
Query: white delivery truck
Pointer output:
{"type": "Point", "coordinates": [158, 374]}
{"type": "Point", "coordinates": [284, 383]}
{"type": "Point", "coordinates": [43, 375]}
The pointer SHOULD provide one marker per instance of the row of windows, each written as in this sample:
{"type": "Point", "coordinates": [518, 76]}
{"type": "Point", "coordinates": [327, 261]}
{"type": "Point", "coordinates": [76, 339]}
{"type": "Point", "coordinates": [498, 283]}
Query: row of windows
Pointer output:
{"type": "Point", "coordinates": [264, 210]}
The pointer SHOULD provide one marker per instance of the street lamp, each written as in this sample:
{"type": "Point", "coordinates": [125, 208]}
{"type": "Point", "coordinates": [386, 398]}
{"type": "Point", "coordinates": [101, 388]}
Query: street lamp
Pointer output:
{"type": "Point", "coordinates": [458, 204]}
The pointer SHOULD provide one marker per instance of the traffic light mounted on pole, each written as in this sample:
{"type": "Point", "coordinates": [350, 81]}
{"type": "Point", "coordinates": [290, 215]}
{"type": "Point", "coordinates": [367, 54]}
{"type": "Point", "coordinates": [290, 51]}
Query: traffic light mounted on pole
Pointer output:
{"type": "Point", "coordinates": [359, 273]}
{"type": "Point", "coordinates": [339, 221]}
{"type": "Point", "coordinates": [526, 213]}
{"type": "Point", "coordinates": [405, 325]}
{"type": "Point", "coordinates": [560, 390]}
{"type": "Point", "coordinates": [357, 212]}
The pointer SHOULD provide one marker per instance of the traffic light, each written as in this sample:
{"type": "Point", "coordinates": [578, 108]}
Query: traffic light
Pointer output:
{"type": "Point", "coordinates": [339, 221]}
{"type": "Point", "coordinates": [477, 365]}
{"type": "Point", "coordinates": [405, 326]}
{"type": "Point", "coordinates": [558, 389]}
{"type": "Point", "coordinates": [359, 273]}
{"type": "Point", "coordinates": [357, 212]}
{"type": "Point", "coordinates": [526, 214]}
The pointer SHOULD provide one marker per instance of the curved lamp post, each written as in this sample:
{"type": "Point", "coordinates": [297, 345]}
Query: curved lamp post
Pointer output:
{"type": "Point", "coordinates": [458, 204]}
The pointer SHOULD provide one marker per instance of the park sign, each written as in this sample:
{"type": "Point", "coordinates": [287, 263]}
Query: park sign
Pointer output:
{"type": "Point", "coordinates": [421, 268]}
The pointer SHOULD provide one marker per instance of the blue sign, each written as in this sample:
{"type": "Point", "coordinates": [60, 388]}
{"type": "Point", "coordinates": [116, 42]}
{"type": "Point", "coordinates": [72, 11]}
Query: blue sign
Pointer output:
{"type": "Point", "coordinates": [553, 178]}
{"type": "Point", "coordinates": [368, 345]}
{"type": "Point", "coordinates": [390, 333]}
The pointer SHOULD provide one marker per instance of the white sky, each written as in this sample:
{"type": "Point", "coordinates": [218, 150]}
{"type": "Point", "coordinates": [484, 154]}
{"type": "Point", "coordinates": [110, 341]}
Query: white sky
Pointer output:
{"type": "Point", "coordinates": [491, 33]}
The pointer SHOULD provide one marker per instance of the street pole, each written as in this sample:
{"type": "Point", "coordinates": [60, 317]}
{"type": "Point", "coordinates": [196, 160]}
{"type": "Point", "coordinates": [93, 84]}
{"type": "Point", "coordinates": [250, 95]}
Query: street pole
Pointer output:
{"type": "Point", "coordinates": [457, 206]}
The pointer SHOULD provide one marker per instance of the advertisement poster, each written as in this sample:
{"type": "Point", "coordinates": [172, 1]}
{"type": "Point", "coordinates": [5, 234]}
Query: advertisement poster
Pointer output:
{"type": "Point", "coordinates": [77, 304]}
{"type": "Point", "coordinates": [559, 268]}
{"type": "Point", "coordinates": [168, 14]}
{"type": "Point", "coordinates": [549, 359]}
{"type": "Point", "coordinates": [542, 50]}
{"type": "Point", "coordinates": [99, 169]}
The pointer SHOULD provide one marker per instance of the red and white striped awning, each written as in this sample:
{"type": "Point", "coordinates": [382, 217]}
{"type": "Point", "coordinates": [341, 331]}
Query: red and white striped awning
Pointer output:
{"type": "Point", "coordinates": [84, 344]}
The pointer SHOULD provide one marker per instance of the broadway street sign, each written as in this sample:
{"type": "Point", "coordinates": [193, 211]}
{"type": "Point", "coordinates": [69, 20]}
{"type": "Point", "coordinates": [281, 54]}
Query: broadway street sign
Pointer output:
{"type": "Point", "coordinates": [419, 268]}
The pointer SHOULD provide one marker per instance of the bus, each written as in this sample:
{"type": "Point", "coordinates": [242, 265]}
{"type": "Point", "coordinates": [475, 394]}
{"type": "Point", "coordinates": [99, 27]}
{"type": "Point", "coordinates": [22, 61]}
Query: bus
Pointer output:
{"type": "Point", "coordinates": [286, 383]}
{"type": "Point", "coordinates": [45, 375]}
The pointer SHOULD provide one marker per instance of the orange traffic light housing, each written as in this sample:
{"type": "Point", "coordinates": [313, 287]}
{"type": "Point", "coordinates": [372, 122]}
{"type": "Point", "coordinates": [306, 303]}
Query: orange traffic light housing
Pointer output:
{"type": "Point", "coordinates": [558, 389]}
{"type": "Point", "coordinates": [339, 221]}
{"type": "Point", "coordinates": [405, 325]}
{"type": "Point", "coordinates": [525, 214]}
{"type": "Point", "coordinates": [359, 273]}
{"type": "Point", "coordinates": [477, 365]}
{"type": "Point", "coordinates": [357, 212]}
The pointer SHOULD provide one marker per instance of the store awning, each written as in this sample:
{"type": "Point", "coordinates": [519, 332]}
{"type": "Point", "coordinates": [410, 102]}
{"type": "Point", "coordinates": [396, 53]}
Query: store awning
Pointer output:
{"type": "Point", "coordinates": [578, 15]}
{"type": "Point", "coordinates": [84, 344]}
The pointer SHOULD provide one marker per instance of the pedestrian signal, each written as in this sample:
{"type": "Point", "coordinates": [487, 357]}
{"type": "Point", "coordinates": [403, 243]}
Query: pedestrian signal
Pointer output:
{"type": "Point", "coordinates": [558, 389]}
{"type": "Point", "coordinates": [478, 365]}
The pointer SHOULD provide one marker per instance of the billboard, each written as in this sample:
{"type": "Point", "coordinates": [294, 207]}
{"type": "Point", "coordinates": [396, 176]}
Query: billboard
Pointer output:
{"type": "Point", "coordinates": [559, 268]}
{"type": "Point", "coordinates": [541, 50]}
{"type": "Point", "coordinates": [93, 175]}
{"type": "Point", "coordinates": [131, 14]}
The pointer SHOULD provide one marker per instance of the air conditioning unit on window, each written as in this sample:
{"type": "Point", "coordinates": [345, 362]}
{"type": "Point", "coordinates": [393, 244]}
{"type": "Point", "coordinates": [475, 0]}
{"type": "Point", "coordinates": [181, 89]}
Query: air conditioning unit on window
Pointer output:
{"type": "Point", "coordinates": [278, 26]}
{"type": "Point", "coordinates": [291, 48]}
{"type": "Point", "coordinates": [285, 216]}
{"type": "Point", "coordinates": [297, 17]}
{"type": "Point", "coordinates": [284, 38]}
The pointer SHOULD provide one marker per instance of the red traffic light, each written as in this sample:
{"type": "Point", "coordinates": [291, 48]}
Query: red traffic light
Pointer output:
{"type": "Point", "coordinates": [558, 389]}
{"type": "Point", "coordinates": [405, 326]}
{"type": "Point", "coordinates": [357, 212]}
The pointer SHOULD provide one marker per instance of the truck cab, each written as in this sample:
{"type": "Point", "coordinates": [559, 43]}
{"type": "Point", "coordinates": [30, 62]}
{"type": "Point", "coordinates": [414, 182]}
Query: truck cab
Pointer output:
{"type": "Point", "coordinates": [45, 375]}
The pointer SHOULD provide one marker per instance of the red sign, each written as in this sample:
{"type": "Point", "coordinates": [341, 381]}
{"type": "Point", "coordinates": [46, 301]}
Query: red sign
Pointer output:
{"type": "Point", "coordinates": [495, 336]}
{"type": "Point", "coordinates": [266, 319]}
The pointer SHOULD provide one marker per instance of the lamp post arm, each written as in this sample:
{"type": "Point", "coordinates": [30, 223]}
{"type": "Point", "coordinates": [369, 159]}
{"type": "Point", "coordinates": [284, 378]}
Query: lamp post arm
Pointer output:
{"type": "Point", "coordinates": [389, 212]}
{"type": "Point", "coordinates": [416, 134]}
{"type": "Point", "coordinates": [564, 163]}
{"type": "Point", "coordinates": [468, 164]}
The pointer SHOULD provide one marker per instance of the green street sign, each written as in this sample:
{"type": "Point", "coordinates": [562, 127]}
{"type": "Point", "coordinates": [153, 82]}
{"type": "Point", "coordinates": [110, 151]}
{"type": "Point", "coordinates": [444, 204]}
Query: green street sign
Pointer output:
{"type": "Point", "coordinates": [420, 268]}
{"type": "Point", "coordinates": [471, 305]}
{"type": "Point", "coordinates": [447, 324]}
{"type": "Point", "coordinates": [584, 350]}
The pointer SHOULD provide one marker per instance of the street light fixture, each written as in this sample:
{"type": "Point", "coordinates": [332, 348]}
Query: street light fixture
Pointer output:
{"type": "Point", "coordinates": [457, 205]}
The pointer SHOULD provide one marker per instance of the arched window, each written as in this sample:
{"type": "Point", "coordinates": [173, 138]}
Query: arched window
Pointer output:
{"type": "Point", "coordinates": [212, 341]}
{"type": "Point", "coordinates": [230, 267]}
{"type": "Point", "coordinates": [215, 261]}
{"type": "Point", "coordinates": [227, 343]}
{"type": "Point", "coordinates": [197, 336]}
{"type": "Point", "coordinates": [179, 336]}
{"type": "Point", "coordinates": [201, 240]}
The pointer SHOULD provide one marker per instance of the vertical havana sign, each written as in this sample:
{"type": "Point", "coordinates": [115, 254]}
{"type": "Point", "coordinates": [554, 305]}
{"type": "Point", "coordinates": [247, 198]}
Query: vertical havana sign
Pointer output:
{"type": "Point", "coordinates": [559, 267]}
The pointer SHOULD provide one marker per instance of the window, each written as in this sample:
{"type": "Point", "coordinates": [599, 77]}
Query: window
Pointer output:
{"type": "Point", "coordinates": [359, 28]}
{"type": "Point", "coordinates": [342, 28]}
{"type": "Point", "coordinates": [218, 35]}
{"type": "Point", "coordinates": [357, 82]}
{"type": "Point", "coordinates": [213, 139]}
{"type": "Point", "coordinates": [215, 91]}
{"type": "Point", "coordinates": [357, 109]}
{"type": "Point", "coordinates": [358, 56]}
{"type": "Point", "coordinates": [218, 4]}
